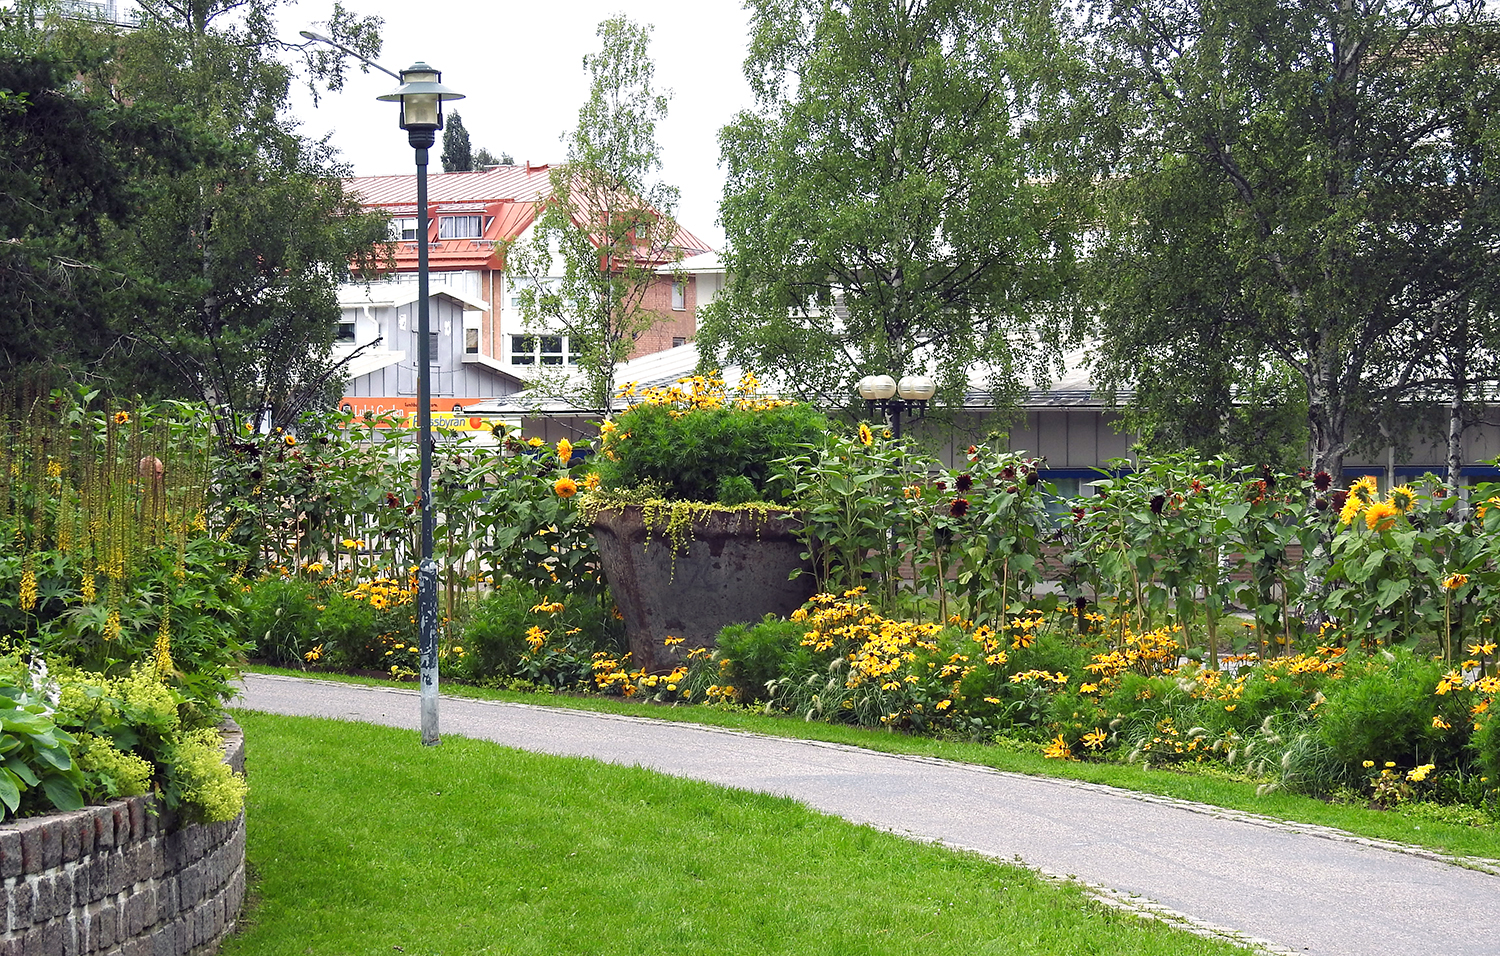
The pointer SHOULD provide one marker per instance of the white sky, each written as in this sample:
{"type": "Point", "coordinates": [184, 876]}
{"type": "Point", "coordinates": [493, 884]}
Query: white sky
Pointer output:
{"type": "Point", "coordinates": [520, 66]}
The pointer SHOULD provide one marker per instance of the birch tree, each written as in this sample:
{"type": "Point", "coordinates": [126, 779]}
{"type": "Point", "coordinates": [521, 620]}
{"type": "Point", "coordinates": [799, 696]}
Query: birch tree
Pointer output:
{"type": "Point", "coordinates": [1282, 190]}
{"type": "Point", "coordinates": [608, 226]}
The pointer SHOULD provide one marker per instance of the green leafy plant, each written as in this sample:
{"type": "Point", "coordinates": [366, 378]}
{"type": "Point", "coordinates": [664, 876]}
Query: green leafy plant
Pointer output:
{"type": "Point", "coordinates": [691, 443]}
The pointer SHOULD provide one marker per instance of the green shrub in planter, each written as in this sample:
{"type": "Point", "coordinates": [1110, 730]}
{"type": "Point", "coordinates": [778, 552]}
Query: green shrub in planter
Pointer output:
{"type": "Point", "coordinates": [73, 736]}
{"type": "Point", "coordinates": [705, 444]}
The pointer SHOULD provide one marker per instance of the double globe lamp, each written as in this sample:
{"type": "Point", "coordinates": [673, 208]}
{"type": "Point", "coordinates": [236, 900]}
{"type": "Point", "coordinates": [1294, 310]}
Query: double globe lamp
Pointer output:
{"type": "Point", "coordinates": [895, 399]}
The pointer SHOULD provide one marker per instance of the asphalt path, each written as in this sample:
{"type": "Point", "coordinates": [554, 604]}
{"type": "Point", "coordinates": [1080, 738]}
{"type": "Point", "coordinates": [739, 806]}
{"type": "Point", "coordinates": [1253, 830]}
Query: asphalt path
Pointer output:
{"type": "Point", "coordinates": [1283, 887]}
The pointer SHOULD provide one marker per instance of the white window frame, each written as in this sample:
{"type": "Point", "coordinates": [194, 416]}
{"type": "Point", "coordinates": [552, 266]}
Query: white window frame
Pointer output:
{"type": "Point", "coordinates": [472, 325]}
{"type": "Point", "coordinates": [403, 228]}
{"type": "Point", "coordinates": [448, 227]}
{"type": "Point", "coordinates": [532, 349]}
{"type": "Point", "coordinates": [679, 296]}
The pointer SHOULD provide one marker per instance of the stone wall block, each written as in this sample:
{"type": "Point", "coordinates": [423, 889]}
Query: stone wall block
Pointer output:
{"type": "Point", "coordinates": [62, 892]}
{"type": "Point", "coordinates": [67, 830]}
{"type": "Point", "coordinates": [104, 828]}
{"type": "Point", "coordinates": [83, 823]}
{"type": "Point", "coordinates": [81, 885]}
{"type": "Point", "coordinates": [195, 844]}
{"type": "Point", "coordinates": [190, 886]}
{"type": "Point", "coordinates": [117, 872]}
{"type": "Point", "coordinates": [11, 857]}
{"type": "Point", "coordinates": [119, 810]}
{"type": "Point", "coordinates": [158, 858]}
{"type": "Point", "coordinates": [22, 897]}
{"type": "Point", "coordinates": [137, 806]}
{"type": "Point", "coordinates": [31, 843]}
{"type": "Point", "coordinates": [98, 877]}
{"type": "Point", "coordinates": [42, 901]}
{"type": "Point", "coordinates": [140, 862]}
{"type": "Point", "coordinates": [106, 926]}
{"type": "Point", "coordinates": [135, 914]}
{"type": "Point", "coordinates": [166, 898]}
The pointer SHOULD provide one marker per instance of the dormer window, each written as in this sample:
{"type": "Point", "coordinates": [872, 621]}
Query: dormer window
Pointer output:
{"type": "Point", "coordinates": [404, 229]}
{"type": "Point", "coordinates": [460, 227]}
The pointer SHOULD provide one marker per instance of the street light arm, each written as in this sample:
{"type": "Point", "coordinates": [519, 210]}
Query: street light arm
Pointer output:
{"type": "Point", "coordinates": [320, 38]}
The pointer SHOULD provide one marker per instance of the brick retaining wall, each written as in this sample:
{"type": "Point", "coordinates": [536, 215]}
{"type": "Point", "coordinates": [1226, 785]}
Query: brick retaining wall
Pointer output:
{"type": "Point", "coordinates": [121, 880]}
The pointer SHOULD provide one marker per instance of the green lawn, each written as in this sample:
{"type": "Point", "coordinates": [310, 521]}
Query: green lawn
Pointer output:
{"type": "Point", "coordinates": [361, 843]}
{"type": "Point", "coordinates": [1455, 837]}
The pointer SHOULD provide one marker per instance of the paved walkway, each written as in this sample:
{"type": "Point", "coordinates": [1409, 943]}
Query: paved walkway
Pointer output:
{"type": "Point", "coordinates": [1287, 887]}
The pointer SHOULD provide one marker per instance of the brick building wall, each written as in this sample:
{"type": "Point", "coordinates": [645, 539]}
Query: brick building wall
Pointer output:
{"type": "Point", "coordinates": [674, 323]}
{"type": "Point", "coordinates": [120, 880]}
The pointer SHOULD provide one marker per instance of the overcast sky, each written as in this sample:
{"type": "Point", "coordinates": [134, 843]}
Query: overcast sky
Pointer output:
{"type": "Point", "coordinates": [520, 66]}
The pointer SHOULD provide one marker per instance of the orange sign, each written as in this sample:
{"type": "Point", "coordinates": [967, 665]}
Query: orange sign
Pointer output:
{"type": "Point", "coordinates": [447, 413]}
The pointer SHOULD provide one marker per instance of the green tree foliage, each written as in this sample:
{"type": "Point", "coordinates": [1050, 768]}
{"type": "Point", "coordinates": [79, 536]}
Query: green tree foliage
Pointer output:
{"type": "Point", "coordinates": [458, 155]}
{"type": "Point", "coordinates": [609, 225]}
{"type": "Point", "coordinates": [1286, 197]}
{"type": "Point", "coordinates": [246, 253]}
{"type": "Point", "coordinates": [70, 176]}
{"type": "Point", "coordinates": [483, 159]}
{"type": "Point", "coordinates": [894, 203]}
{"type": "Point", "coordinates": [208, 273]}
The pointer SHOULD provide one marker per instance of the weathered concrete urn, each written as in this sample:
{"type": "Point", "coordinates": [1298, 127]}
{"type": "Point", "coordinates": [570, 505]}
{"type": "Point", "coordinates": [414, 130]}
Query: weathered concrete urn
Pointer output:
{"type": "Point", "coordinates": [717, 567]}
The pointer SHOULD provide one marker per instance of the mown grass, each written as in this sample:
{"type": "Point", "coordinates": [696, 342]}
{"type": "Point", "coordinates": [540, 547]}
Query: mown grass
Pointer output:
{"type": "Point", "coordinates": [364, 844]}
{"type": "Point", "coordinates": [1426, 830]}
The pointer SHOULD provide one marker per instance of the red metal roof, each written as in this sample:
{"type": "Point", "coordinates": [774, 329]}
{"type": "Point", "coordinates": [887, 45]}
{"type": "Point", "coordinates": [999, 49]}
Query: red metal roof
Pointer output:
{"type": "Point", "coordinates": [497, 184]}
{"type": "Point", "coordinates": [509, 198]}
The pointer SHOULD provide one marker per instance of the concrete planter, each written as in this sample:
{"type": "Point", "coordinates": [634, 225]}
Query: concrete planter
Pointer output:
{"type": "Point", "coordinates": [722, 567]}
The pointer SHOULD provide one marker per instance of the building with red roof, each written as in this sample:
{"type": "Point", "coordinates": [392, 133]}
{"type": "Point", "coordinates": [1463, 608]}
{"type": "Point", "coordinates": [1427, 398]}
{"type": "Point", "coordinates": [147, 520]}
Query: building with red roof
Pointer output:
{"type": "Point", "coordinates": [483, 348]}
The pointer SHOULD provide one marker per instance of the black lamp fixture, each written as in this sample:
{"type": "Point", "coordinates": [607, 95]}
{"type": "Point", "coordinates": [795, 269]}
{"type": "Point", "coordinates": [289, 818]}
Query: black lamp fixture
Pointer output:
{"type": "Point", "coordinates": [908, 397]}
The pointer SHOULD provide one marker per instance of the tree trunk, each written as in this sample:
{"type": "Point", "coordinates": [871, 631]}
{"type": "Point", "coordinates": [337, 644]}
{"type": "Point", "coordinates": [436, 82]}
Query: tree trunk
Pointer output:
{"type": "Point", "coordinates": [1458, 360]}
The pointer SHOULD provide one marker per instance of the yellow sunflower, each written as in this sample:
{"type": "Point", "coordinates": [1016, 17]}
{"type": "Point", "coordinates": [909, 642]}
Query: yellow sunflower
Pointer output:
{"type": "Point", "coordinates": [1381, 516]}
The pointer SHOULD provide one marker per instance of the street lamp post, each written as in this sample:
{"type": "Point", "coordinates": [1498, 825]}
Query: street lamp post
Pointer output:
{"type": "Point", "coordinates": [908, 397]}
{"type": "Point", "coordinates": [421, 96]}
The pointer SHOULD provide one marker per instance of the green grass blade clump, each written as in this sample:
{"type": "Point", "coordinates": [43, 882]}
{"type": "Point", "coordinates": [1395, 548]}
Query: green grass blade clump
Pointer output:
{"type": "Point", "coordinates": [365, 843]}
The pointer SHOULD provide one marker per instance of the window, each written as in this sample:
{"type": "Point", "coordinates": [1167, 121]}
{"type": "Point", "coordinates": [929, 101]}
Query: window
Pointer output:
{"type": "Point", "coordinates": [678, 341]}
{"type": "Point", "coordinates": [518, 285]}
{"type": "Point", "coordinates": [432, 345]}
{"type": "Point", "coordinates": [460, 227]}
{"type": "Point", "coordinates": [472, 320]}
{"type": "Point", "coordinates": [541, 350]}
{"type": "Point", "coordinates": [404, 230]}
{"type": "Point", "coordinates": [345, 334]}
{"type": "Point", "coordinates": [679, 296]}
